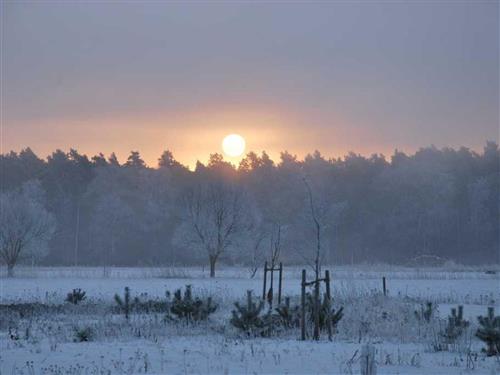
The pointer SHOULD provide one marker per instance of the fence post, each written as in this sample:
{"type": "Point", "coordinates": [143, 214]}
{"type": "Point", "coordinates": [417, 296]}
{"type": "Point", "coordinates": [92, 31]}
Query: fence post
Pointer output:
{"type": "Point", "coordinates": [384, 286]}
{"type": "Point", "coordinates": [329, 304]}
{"type": "Point", "coordinates": [280, 283]}
{"type": "Point", "coordinates": [271, 289]}
{"type": "Point", "coordinates": [316, 307]}
{"type": "Point", "coordinates": [303, 305]}
{"type": "Point", "coordinates": [265, 275]}
{"type": "Point", "coordinates": [367, 362]}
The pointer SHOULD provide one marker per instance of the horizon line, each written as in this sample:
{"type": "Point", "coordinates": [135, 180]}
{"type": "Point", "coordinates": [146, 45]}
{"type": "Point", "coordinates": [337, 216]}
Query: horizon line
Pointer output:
{"type": "Point", "coordinates": [236, 161]}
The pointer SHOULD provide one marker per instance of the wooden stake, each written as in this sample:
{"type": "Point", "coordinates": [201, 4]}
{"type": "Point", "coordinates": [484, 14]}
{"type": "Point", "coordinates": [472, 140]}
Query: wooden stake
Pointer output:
{"type": "Point", "coordinates": [316, 308]}
{"type": "Point", "coordinates": [264, 288]}
{"type": "Point", "coordinates": [271, 290]}
{"type": "Point", "coordinates": [383, 286]}
{"type": "Point", "coordinates": [329, 304]}
{"type": "Point", "coordinates": [280, 283]}
{"type": "Point", "coordinates": [303, 305]}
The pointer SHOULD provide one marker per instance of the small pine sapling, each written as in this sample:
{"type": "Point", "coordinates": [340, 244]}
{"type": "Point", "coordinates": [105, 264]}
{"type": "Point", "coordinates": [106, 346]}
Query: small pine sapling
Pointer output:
{"type": "Point", "coordinates": [325, 312]}
{"type": "Point", "coordinates": [289, 316]}
{"type": "Point", "coordinates": [191, 309]}
{"type": "Point", "coordinates": [76, 296]}
{"type": "Point", "coordinates": [250, 319]}
{"type": "Point", "coordinates": [83, 334]}
{"type": "Point", "coordinates": [456, 325]}
{"type": "Point", "coordinates": [426, 312]}
{"type": "Point", "coordinates": [124, 304]}
{"type": "Point", "coordinates": [489, 332]}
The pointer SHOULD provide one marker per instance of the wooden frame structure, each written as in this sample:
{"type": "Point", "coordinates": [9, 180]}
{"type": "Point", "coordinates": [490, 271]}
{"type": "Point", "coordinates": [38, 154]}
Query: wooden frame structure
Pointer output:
{"type": "Point", "coordinates": [269, 294]}
{"type": "Point", "coordinates": [316, 283]}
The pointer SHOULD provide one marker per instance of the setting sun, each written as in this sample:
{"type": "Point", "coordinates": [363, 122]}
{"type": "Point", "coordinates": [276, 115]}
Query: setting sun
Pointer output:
{"type": "Point", "coordinates": [233, 145]}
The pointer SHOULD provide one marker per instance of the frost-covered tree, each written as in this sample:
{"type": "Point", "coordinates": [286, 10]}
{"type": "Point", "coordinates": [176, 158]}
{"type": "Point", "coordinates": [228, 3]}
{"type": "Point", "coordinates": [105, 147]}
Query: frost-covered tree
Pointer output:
{"type": "Point", "coordinates": [441, 203]}
{"type": "Point", "coordinates": [215, 217]}
{"type": "Point", "coordinates": [25, 225]}
{"type": "Point", "coordinates": [110, 218]}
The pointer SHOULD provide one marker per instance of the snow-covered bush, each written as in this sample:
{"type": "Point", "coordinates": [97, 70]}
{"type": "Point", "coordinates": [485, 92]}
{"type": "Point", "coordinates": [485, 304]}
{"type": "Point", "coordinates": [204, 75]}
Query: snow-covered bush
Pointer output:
{"type": "Point", "coordinates": [289, 316]}
{"type": "Point", "coordinates": [489, 332]}
{"type": "Point", "coordinates": [188, 308]}
{"type": "Point", "coordinates": [76, 296]}
{"type": "Point", "coordinates": [83, 334]}
{"type": "Point", "coordinates": [251, 319]}
{"type": "Point", "coordinates": [455, 326]}
{"type": "Point", "coordinates": [325, 312]}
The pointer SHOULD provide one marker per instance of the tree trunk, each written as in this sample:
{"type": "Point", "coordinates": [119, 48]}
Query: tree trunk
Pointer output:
{"type": "Point", "coordinates": [10, 270]}
{"type": "Point", "coordinates": [212, 260]}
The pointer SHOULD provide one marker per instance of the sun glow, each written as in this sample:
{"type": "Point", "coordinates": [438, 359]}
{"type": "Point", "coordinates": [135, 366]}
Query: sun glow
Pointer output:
{"type": "Point", "coordinates": [233, 145]}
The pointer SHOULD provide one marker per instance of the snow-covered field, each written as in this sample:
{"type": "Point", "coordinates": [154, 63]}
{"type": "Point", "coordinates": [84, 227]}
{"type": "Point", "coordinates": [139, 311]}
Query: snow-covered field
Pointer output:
{"type": "Point", "coordinates": [44, 343]}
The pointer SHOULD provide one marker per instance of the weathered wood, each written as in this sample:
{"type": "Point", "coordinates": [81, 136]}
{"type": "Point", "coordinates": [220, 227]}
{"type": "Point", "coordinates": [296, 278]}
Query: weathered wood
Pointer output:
{"type": "Point", "coordinates": [280, 282]}
{"type": "Point", "coordinates": [329, 304]}
{"type": "Point", "coordinates": [303, 306]}
{"type": "Point", "coordinates": [316, 310]}
{"type": "Point", "coordinates": [271, 289]}
{"type": "Point", "coordinates": [264, 287]}
{"type": "Point", "coordinates": [367, 360]}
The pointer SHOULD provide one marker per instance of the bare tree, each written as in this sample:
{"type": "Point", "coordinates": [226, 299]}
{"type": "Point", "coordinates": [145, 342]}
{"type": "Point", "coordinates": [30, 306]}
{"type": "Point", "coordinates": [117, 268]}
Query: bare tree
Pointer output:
{"type": "Point", "coordinates": [216, 217]}
{"type": "Point", "coordinates": [111, 216]}
{"type": "Point", "coordinates": [25, 225]}
{"type": "Point", "coordinates": [257, 237]}
{"type": "Point", "coordinates": [275, 242]}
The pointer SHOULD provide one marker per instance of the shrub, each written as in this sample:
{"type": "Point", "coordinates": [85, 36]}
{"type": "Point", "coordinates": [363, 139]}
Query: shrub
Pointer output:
{"type": "Point", "coordinates": [289, 317]}
{"type": "Point", "coordinates": [426, 312]}
{"type": "Point", "coordinates": [83, 334]}
{"type": "Point", "coordinates": [250, 319]}
{"type": "Point", "coordinates": [325, 312]}
{"type": "Point", "coordinates": [75, 296]}
{"type": "Point", "coordinates": [456, 326]}
{"type": "Point", "coordinates": [489, 332]}
{"type": "Point", "coordinates": [124, 304]}
{"type": "Point", "coordinates": [150, 306]}
{"type": "Point", "coordinates": [190, 309]}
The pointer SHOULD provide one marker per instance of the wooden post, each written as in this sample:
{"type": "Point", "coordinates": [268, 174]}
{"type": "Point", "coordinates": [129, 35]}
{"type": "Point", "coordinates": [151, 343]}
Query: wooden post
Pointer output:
{"type": "Point", "coordinates": [316, 307]}
{"type": "Point", "coordinates": [303, 305]}
{"type": "Point", "coordinates": [329, 304]}
{"type": "Point", "coordinates": [271, 290]}
{"type": "Point", "coordinates": [264, 288]}
{"type": "Point", "coordinates": [367, 363]}
{"type": "Point", "coordinates": [280, 283]}
{"type": "Point", "coordinates": [383, 286]}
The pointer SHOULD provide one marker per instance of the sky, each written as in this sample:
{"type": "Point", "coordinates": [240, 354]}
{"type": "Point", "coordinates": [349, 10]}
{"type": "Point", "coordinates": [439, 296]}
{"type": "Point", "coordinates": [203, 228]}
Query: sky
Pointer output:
{"type": "Point", "coordinates": [367, 77]}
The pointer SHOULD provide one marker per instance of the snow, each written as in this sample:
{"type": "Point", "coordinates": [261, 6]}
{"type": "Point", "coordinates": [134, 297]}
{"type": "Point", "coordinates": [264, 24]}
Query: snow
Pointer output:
{"type": "Point", "coordinates": [146, 345]}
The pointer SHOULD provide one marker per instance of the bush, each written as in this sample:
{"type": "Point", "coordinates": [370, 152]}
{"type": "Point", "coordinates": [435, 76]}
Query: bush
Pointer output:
{"type": "Point", "coordinates": [124, 304]}
{"type": "Point", "coordinates": [75, 296]}
{"type": "Point", "coordinates": [489, 332]}
{"type": "Point", "coordinates": [83, 334]}
{"type": "Point", "coordinates": [250, 319]}
{"type": "Point", "coordinates": [289, 317]}
{"type": "Point", "coordinates": [455, 327]}
{"type": "Point", "coordinates": [190, 309]}
{"type": "Point", "coordinates": [426, 312]}
{"type": "Point", "coordinates": [324, 312]}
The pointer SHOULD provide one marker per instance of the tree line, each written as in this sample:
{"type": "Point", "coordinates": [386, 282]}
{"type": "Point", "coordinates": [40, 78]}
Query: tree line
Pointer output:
{"type": "Point", "coordinates": [440, 204]}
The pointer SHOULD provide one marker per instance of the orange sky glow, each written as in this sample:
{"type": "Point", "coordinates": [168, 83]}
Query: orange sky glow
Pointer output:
{"type": "Point", "coordinates": [190, 136]}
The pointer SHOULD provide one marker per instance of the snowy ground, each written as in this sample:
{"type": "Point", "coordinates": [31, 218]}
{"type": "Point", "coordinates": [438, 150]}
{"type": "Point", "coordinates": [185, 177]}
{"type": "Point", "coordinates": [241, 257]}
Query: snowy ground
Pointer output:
{"type": "Point", "coordinates": [147, 344]}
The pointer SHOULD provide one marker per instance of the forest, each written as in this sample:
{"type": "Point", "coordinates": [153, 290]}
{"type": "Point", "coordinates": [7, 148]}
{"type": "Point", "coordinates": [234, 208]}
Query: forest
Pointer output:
{"type": "Point", "coordinates": [435, 205]}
